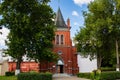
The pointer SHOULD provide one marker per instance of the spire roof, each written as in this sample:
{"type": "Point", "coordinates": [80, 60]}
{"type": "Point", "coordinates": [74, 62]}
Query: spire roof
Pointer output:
{"type": "Point", "coordinates": [59, 22]}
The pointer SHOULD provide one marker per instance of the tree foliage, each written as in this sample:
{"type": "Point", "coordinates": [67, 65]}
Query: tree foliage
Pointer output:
{"type": "Point", "coordinates": [98, 36]}
{"type": "Point", "coordinates": [31, 29]}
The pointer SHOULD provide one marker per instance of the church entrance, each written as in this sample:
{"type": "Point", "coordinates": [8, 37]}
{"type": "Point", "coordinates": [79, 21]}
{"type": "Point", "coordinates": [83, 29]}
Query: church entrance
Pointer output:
{"type": "Point", "coordinates": [60, 66]}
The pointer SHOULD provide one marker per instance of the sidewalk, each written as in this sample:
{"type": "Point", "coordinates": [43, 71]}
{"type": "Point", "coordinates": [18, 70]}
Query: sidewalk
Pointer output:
{"type": "Point", "coordinates": [66, 77]}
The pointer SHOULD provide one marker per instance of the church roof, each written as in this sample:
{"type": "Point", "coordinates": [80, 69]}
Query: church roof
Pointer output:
{"type": "Point", "coordinates": [59, 21]}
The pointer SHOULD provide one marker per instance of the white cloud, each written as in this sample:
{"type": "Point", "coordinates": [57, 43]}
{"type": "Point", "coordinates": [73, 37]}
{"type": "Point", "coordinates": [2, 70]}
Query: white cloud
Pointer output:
{"type": "Point", "coordinates": [76, 24]}
{"type": "Point", "coordinates": [75, 13]}
{"type": "Point", "coordinates": [3, 36]}
{"type": "Point", "coordinates": [81, 2]}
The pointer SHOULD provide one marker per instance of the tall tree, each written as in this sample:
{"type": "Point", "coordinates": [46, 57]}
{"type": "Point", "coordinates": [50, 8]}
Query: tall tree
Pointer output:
{"type": "Point", "coordinates": [116, 30]}
{"type": "Point", "coordinates": [31, 29]}
{"type": "Point", "coordinates": [99, 30]}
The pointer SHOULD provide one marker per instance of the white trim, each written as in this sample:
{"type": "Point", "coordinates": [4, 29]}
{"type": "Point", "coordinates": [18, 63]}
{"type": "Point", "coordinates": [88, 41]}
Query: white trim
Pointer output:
{"type": "Point", "coordinates": [17, 71]}
{"type": "Point", "coordinates": [117, 69]}
{"type": "Point", "coordinates": [60, 62]}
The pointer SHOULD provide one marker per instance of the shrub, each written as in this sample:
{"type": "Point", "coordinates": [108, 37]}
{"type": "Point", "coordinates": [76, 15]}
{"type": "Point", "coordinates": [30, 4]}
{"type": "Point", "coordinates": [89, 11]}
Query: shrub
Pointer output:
{"type": "Point", "coordinates": [96, 74]}
{"type": "Point", "coordinates": [108, 75]}
{"type": "Point", "coordinates": [84, 75]}
{"type": "Point", "coordinates": [9, 73]}
{"type": "Point", "coordinates": [113, 75]}
{"type": "Point", "coordinates": [108, 69]}
{"type": "Point", "coordinates": [34, 76]}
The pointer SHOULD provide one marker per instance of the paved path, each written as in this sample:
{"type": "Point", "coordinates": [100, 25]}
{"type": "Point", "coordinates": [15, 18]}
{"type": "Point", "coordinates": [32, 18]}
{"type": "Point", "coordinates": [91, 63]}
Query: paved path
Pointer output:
{"type": "Point", "coordinates": [66, 77]}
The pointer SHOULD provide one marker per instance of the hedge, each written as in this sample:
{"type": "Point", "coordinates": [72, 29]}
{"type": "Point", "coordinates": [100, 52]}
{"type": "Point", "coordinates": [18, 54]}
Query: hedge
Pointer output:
{"type": "Point", "coordinates": [34, 76]}
{"type": "Point", "coordinates": [108, 68]}
{"type": "Point", "coordinates": [9, 73]}
{"type": "Point", "coordinates": [113, 75]}
{"type": "Point", "coordinates": [84, 75]}
{"type": "Point", "coordinates": [110, 75]}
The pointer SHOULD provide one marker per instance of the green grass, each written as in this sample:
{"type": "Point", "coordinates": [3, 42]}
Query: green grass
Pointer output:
{"type": "Point", "coordinates": [8, 78]}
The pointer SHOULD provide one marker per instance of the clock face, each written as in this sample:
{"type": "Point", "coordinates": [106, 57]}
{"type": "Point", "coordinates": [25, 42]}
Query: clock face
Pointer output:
{"type": "Point", "coordinates": [59, 52]}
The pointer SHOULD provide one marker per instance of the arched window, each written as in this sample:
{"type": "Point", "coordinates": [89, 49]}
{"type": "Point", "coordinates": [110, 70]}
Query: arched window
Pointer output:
{"type": "Point", "coordinates": [57, 39]}
{"type": "Point", "coordinates": [62, 39]}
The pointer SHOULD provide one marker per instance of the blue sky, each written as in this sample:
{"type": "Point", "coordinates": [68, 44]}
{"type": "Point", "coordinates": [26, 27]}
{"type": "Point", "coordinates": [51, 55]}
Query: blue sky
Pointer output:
{"type": "Point", "coordinates": [70, 9]}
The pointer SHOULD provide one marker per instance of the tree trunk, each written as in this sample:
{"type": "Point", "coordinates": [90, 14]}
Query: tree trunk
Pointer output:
{"type": "Point", "coordinates": [117, 56]}
{"type": "Point", "coordinates": [17, 71]}
{"type": "Point", "coordinates": [40, 67]}
{"type": "Point", "coordinates": [99, 60]}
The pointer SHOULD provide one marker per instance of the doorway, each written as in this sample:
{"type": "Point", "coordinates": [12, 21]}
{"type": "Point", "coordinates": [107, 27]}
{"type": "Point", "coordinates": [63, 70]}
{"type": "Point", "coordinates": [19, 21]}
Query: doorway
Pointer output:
{"type": "Point", "coordinates": [60, 69]}
{"type": "Point", "coordinates": [60, 66]}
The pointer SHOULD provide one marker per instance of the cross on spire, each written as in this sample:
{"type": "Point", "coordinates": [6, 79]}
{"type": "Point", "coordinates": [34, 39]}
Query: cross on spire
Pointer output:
{"type": "Point", "coordinates": [58, 3]}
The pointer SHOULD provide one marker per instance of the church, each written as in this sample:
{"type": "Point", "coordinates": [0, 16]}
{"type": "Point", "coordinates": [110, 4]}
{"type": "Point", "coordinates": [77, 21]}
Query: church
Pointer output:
{"type": "Point", "coordinates": [62, 45]}
{"type": "Point", "coordinates": [67, 62]}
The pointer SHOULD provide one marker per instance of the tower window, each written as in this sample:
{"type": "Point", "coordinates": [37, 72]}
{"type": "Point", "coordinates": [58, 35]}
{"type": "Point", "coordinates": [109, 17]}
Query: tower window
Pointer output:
{"type": "Point", "coordinates": [57, 39]}
{"type": "Point", "coordinates": [62, 39]}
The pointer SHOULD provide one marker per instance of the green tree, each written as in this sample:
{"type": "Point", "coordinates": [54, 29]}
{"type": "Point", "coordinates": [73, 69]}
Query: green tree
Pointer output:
{"type": "Point", "coordinates": [116, 30]}
{"type": "Point", "coordinates": [31, 29]}
{"type": "Point", "coordinates": [98, 35]}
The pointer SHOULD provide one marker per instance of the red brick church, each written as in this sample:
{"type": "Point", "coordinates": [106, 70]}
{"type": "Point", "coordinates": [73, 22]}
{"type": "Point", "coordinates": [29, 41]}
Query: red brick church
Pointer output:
{"type": "Point", "coordinates": [67, 62]}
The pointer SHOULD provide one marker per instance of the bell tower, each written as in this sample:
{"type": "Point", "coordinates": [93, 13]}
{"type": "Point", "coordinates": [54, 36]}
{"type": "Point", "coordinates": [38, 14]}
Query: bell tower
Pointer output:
{"type": "Point", "coordinates": [67, 62]}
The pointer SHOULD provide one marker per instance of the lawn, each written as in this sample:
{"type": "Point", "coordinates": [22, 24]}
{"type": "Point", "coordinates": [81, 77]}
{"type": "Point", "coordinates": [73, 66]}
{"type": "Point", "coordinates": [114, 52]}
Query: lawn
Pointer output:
{"type": "Point", "coordinates": [8, 78]}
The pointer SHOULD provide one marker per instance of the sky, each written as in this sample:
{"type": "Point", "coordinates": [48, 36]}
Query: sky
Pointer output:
{"type": "Point", "coordinates": [71, 9]}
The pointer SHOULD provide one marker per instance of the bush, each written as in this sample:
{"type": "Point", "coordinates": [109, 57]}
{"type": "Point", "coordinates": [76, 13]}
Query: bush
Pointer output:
{"type": "Point", "coordinates": [113, 75]}
{"type": "Point", "coordinates": [108, 69]}
{"type": "Point", "coordinates": [34, 76]}
{"type": "Point", "coordinates": [95, 75]}
{"type": "Point", "coordinates": [108, 75]}
{"type": "Point", "coordinates": [84, 75]}
{"type": "Point", "coordinates": [9, 73]}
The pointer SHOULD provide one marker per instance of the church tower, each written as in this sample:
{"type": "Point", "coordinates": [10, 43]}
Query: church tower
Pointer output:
{"type": "Point", "coordinates": [67, 62]}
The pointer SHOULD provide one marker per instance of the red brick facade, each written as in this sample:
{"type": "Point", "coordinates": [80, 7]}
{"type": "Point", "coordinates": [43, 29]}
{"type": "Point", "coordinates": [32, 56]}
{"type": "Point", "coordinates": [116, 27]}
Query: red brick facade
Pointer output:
{"type": "Point", "coordinates": [25, 66]}
{"type": "Point", "coordinates": [67, 62]}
